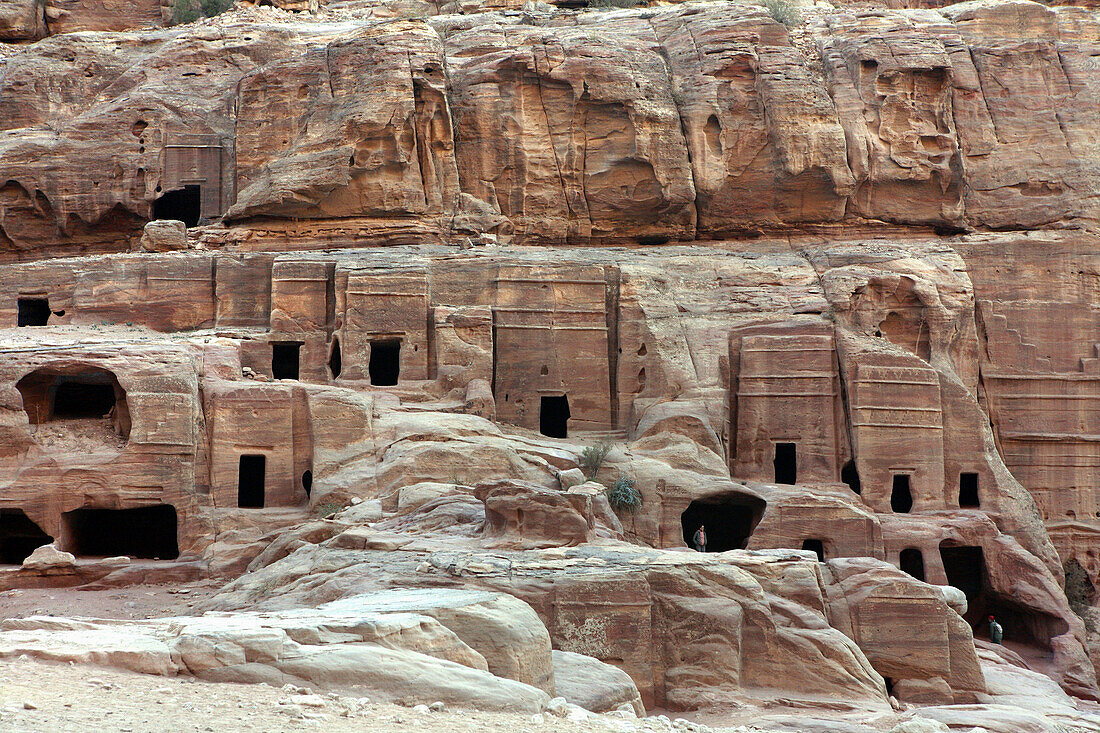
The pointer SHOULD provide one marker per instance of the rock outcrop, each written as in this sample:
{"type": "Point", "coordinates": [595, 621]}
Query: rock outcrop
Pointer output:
{"type": "Point", "coordinates": [439, 330]}
{"type": "Point", "coordinates": [686, 122]}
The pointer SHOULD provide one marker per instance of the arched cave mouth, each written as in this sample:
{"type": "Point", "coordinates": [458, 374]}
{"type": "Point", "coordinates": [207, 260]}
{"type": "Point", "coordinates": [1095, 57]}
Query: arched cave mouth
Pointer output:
{"type": "Point", "coordinates": [145, 532]}
{"type": "Point", "coordinates": [911, 561]}
{"type": "Point", "coordinates": [78, 408]}
{"type": "Point", "coordinates": [19, 537]}
{"type": "Point", "coordinates": [729, 519]}
{"type": "Point", "coordinates": [966, 570]}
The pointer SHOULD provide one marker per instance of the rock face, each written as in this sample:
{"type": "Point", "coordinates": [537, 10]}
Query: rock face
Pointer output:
{"type": "Point", "coordinates": [692, 121]}
{"type": "Point", "coordinates": [393, 656]}
{"type": "Point", "coordinates": [271, 312]}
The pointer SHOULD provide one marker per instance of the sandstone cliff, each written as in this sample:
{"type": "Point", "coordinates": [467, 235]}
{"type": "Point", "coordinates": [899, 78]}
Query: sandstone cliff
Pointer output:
{"type": "Point", "coordinates": [832, 291]}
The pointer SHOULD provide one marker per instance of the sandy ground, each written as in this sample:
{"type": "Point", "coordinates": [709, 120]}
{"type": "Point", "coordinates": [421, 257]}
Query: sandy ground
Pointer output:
{"type": "Point", "coordinates": [59, 698]}
{"type": "Point", "coordinates": [50, 697]}
{"type": "Point", "coordinates": [131, 602]}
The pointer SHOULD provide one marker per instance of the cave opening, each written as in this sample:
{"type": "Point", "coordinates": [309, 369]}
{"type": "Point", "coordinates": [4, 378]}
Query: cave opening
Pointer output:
{"type": "Point", "coordinates": [901, 495]}
{"type": "Point", "coordinates": [912, 562]}
{"type": "Point", "coordinates": [968, 491]}
{"type": "Point", "coordinates": [145, 532]}
{"type": "Point", "coordinates": [385, 362]}
{"type": "Point", "coordinates": [850, 476]}
{"type": "Point", "coordinates": [19, 537]}
{"type": "Point", "coordinates": [966, 570]}
{"type": "Point", "coordinates": [335, 364]}
{"type": "Point", "coordinates": [32, 312]}
{"type": "Point", "coordinates": [285, 357]}
{"type": "Point", "coordinates": [785, 463]}
{"type": "Point", "coordinates": [75, 393]}
{"type": "Point", "coordinates": [182, 204]}
{"type": "Point", "coordinates": [80, 399]}
{"type": "Point", "coordinates": [729, 520]}
{"type": "Point", "coordinates": [307, 482]}
{"type": "Point", "coordinates": [815, 546]}
{"type": "Point", "coordinates": [554, 416]}
{"type": "Point", "coordinates": [251, 478]}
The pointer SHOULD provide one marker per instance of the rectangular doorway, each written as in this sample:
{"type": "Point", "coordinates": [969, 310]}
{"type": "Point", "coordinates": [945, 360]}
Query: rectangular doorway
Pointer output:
{"type": "Point", "coordinates": [250, 481]}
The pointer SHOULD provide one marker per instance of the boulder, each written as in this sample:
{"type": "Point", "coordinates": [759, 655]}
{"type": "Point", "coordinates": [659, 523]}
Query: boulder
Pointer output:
{"type": "Point", "coordinates": [594, 685]}
{"type": "Point", "coordinates": [49, 557]}
{"type": "Point", "coordinates": [521, 514]}
{"type": "Point", "coordinates": [570, 477]}
{"type": "Point", "coordinates": [164, 235]}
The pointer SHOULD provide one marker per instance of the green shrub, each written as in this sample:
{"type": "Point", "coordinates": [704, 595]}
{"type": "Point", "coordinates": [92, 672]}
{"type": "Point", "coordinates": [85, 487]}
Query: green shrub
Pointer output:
{"type": "Point", "coordinates": [783, 11]}
{"type": "Point", "coordinates": [612, 4]}
{"type": "Point", "coordinates": [188, 11]}
{"type": "Point", "coordinates": [624, 496]}
{"type": "Point", "coordinates": [593, 456]}
{"type": "Point", "coordinates": [327, 509]}
{"type": "Point", "coordinates": [1079, 589]}
{"type": "Point", "coordinates": [210, 8]}
{"type": "Point", "coordinates": [184, 11]}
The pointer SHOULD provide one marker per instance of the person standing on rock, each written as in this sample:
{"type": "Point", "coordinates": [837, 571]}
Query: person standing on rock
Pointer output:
{"type": "Point", "coordinates": [699, 539]}
{"type": "Point", "coordinates": [996, 633]}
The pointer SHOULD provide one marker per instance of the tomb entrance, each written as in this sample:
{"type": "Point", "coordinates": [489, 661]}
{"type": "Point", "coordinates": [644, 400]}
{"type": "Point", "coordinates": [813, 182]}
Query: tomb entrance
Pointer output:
{"type": "Point", "coordinates": [89, 401]}
{"type": "Point", "coordinates": [815, 546]}
{"type": "Point", "coordinates": [911, 561]}
{"type": "Point", "coordinates": [251, 480]}
{"type": "Point", "coordinates": [19, 537]}
{"type": "Point", "coordinates": [554, 416]}
{"type": "Point", "coordinates": [901, 494]}
{"type": "Point", "coordinates": [785, 463]}
{"type": "Point", "coordinates": [385, 362]}
{"type": "Point", "coordinates": [182, 204]}
{"type": "Point", "coordinates": [729, 520]}
{"type": "Point", "coordinates": [285, 357]}
{"type": "Point", "coordinates": [32, 311]}
{"type": "Point", "coordinates": [968, 491]}
{"type": "Point", "coordinates": [143, 532]}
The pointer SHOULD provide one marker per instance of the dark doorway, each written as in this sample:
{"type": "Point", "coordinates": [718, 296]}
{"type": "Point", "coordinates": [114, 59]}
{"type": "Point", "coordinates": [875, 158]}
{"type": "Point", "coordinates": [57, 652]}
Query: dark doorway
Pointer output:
{"type": "Point", "coordinates": [968, 491]}
{"type": "Point", "coordinates": [33, 311]}
{"type": "Point", "coordinates": [184, 204]}
{"type": "Point", "coordinates": [19, 537]}
{"type": "Point", "coordinates": [307, 482]}
{"type": "Point", "coordinates": [250, 482]}
{"type": "Point", "coordinates": [912, 562]}
{"type": "Point", "coordinates": [554, 416]}
{"type": "Point", "coordinates": [334, 363]}
{"type": "Point", "coordinates": [965, 568]}
{"type": "Point", "coordinates": [816, 546]}
{"type": "Point", "coordinates": [284, 359]}
{"type": "Point", "coordinates": [901, 496]}
{"type": "Point", "coordinates": [850, 476]}
{"type": "Point", "coordinates": [729, 520]}
{"type": "Point", "coordinates": [77, 398]}
{"type": "Point", "coordinates": [146, 532]}
{"type": "Point", "coordinates": [385, 362]}
{"type": "Point", "coordinates": [786, 463]}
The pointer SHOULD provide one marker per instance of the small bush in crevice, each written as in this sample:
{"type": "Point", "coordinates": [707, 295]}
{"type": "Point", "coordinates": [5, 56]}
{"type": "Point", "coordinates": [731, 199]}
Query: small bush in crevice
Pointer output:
{"type": "Point", "coordinates": [1080, 591]}
{"type": "Point", "coordinates": [210, 8]}
{"type": "Point", "coordinates": [184, 11]}
{"type": "Point", "coordinates": [327, 509]}
{"type": "Point", "coordinates": [782, 11]}
{"type": "Point", "coordinates": [624, 496]}
{"type": "Point", "coordinates": [188, 11]}
{"type": "Point", "coordinates": [612, 4]}
{"type": "Point", "coordinates": [593, 456]}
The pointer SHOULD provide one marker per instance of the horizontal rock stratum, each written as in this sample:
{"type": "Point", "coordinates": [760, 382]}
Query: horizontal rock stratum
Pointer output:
{"type": "Point", "coordinates": [683, 122]}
